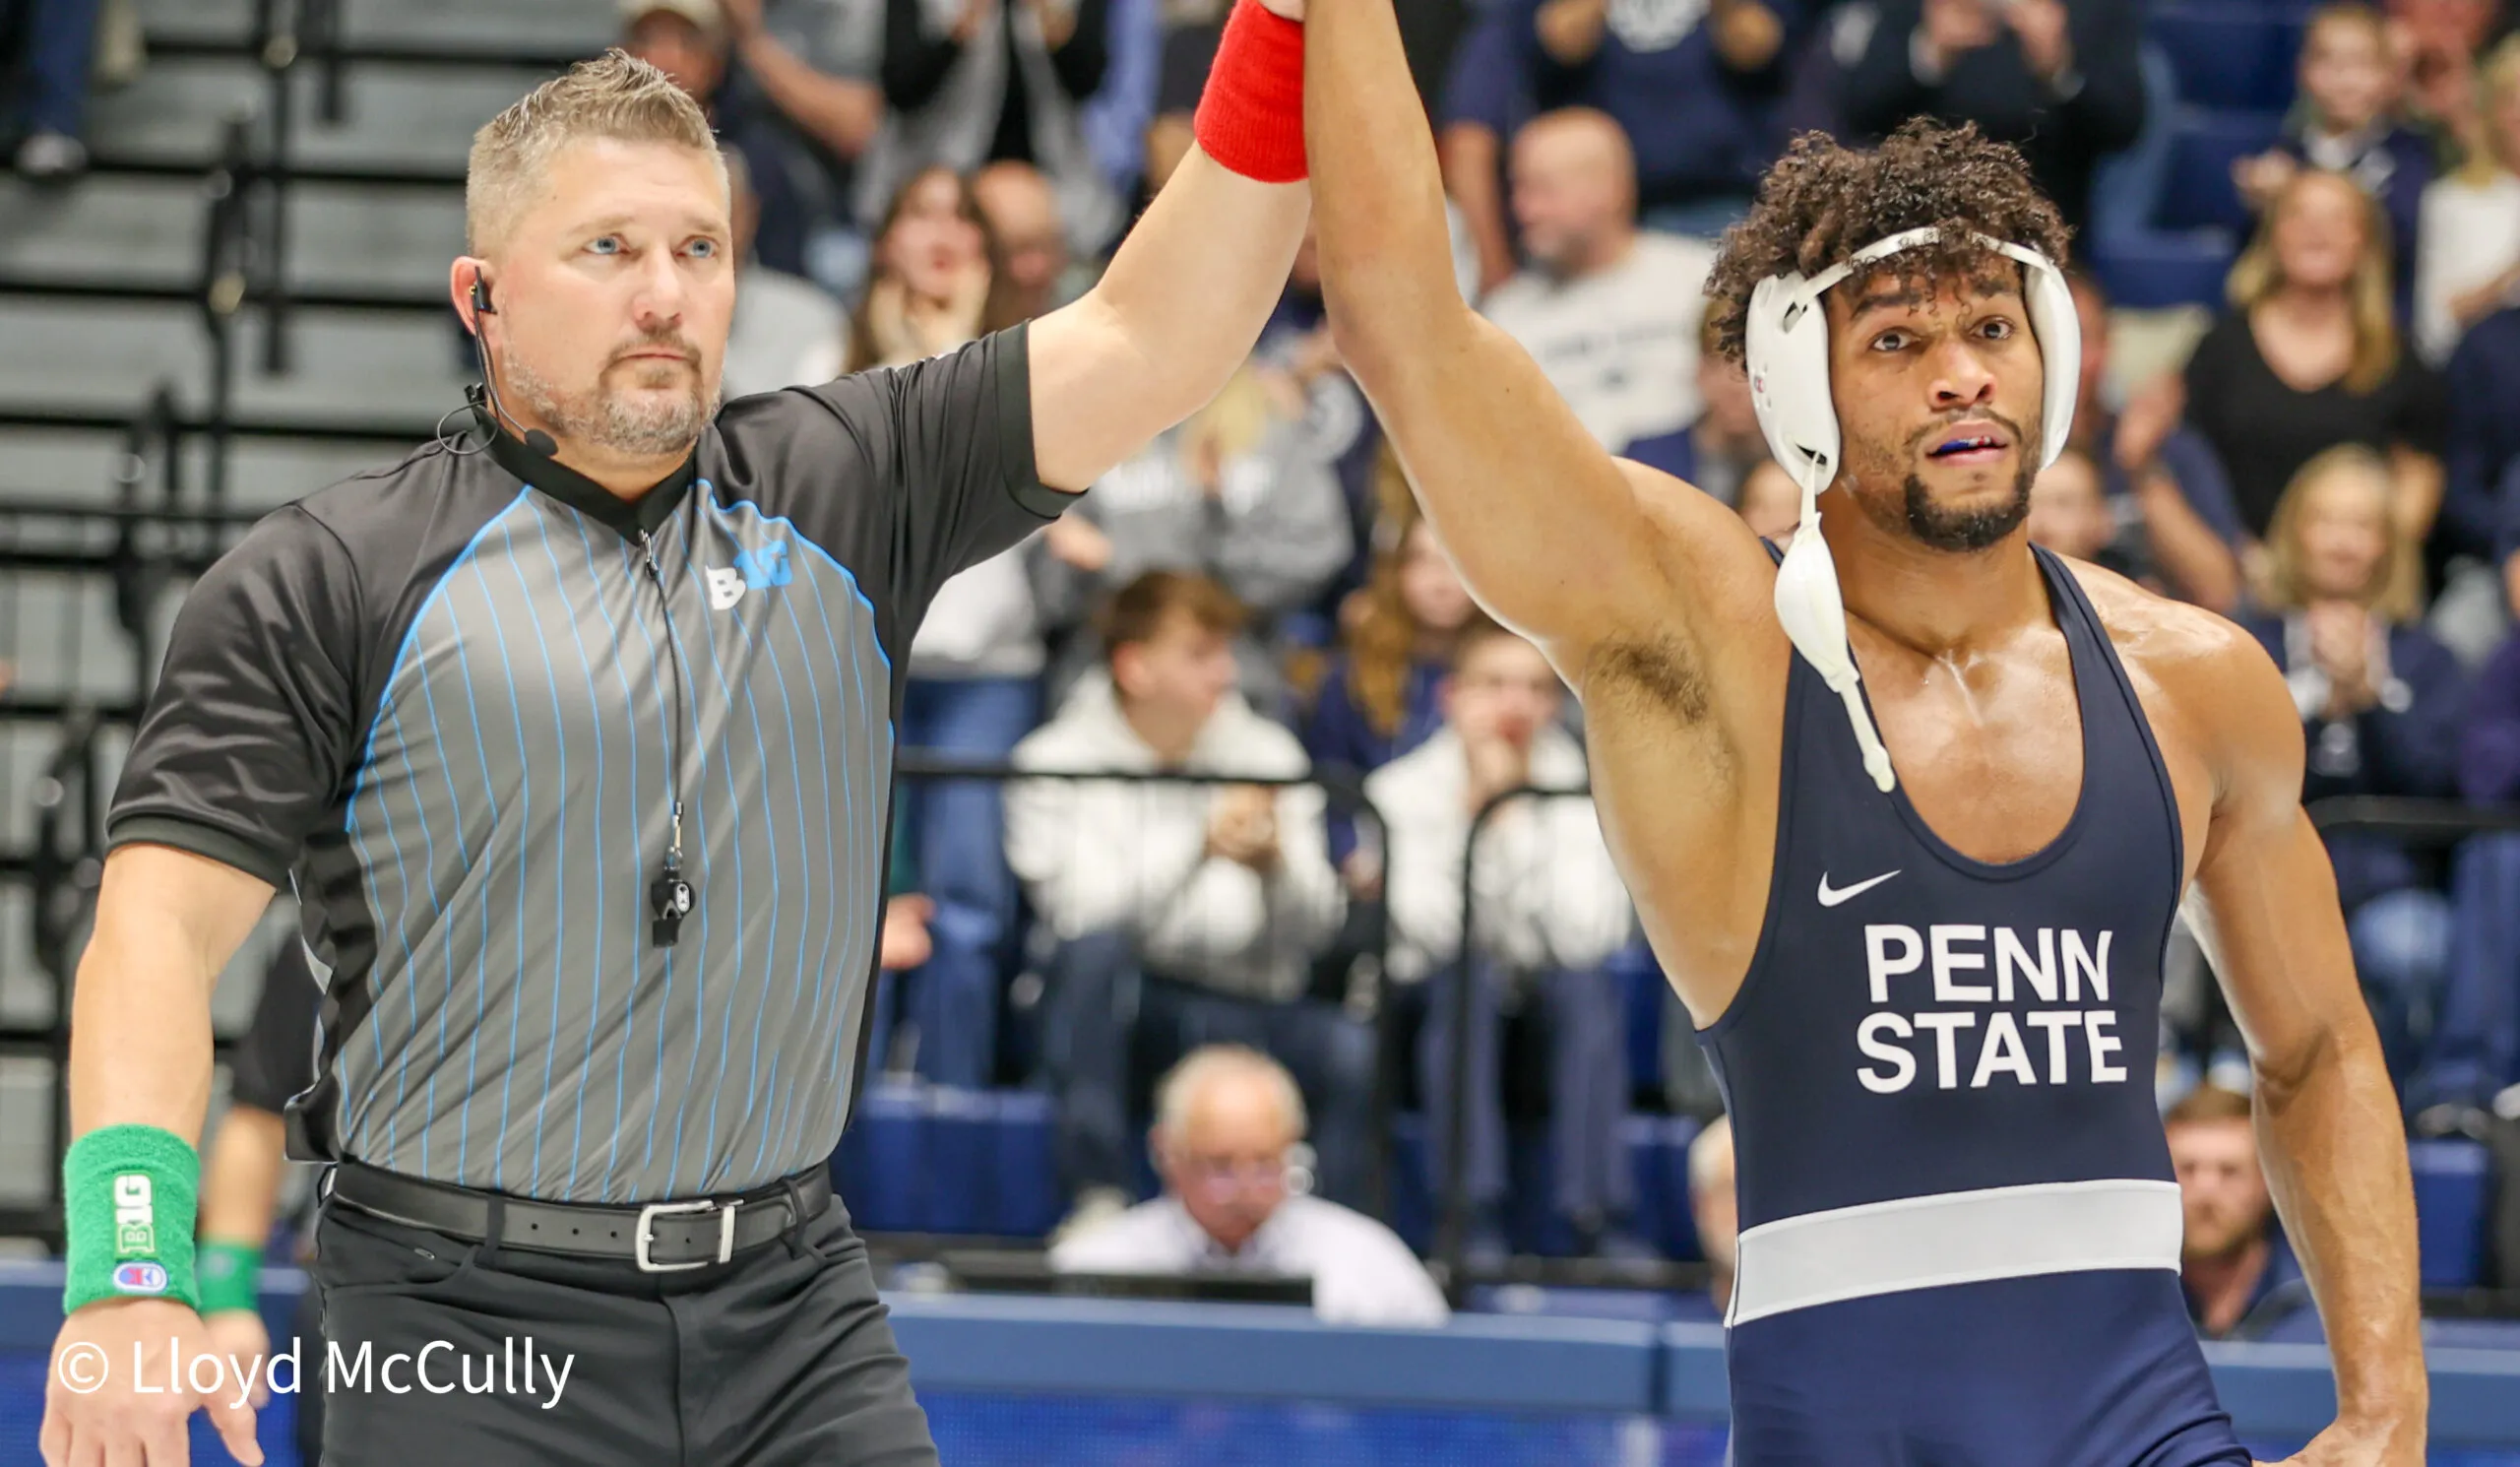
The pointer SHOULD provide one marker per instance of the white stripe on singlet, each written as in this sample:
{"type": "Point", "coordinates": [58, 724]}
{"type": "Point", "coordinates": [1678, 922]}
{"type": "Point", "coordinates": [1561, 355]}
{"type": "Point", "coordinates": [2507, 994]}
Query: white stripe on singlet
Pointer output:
{"type": "Point", "coordinates": [1954, 1238]}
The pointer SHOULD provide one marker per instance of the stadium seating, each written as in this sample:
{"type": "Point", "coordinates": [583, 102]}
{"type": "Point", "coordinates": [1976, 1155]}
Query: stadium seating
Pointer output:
{"type": "Point", "coordinates": [2453, 1209]}
{"type": "Point", "coordinates": [2240, 57]}
{"type": "Point", "coordinates": [935, 1158]}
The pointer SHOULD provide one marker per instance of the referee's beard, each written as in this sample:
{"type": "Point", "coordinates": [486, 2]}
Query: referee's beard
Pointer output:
{"type": "Point", "coordinates": [647, 422]}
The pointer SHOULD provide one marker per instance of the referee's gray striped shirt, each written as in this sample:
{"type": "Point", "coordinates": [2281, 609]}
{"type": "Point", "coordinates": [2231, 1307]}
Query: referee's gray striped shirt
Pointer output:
{"type": "Point", "coordinates": [450, 700]}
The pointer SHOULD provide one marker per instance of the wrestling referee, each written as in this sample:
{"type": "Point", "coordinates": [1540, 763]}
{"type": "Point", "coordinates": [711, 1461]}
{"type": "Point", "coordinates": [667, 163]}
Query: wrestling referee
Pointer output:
{"type": "Point", "coordinates": [574, 742]}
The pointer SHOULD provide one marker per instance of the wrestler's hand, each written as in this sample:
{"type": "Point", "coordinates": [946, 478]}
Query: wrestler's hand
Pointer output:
{"type": "Point", "coordinates": [94, 1416]}
{"type": "Point", "coordinates": [240, 1335]}
{"type": "Point", "coordinates": [2358, 1444]}
{"type": "Point", "coordinates": [1292, 10]}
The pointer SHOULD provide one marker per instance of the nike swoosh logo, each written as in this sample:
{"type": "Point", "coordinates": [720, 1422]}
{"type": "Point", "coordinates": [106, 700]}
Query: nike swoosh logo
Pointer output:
{"type": "Point", "coordinates": [1830, 897]}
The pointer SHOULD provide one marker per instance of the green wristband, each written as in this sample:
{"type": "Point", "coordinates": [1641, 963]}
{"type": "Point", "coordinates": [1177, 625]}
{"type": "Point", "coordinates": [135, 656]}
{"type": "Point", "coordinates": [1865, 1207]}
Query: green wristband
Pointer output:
{"type": "Point", "coordinates": [128, 1194]}
{"type": "Point", "coordinates": [231, 1276]}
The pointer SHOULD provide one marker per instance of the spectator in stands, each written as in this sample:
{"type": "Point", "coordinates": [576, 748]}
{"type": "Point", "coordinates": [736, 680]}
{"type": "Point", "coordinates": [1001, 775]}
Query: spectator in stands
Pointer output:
{"type": "Point", "coordinates": [932, 284]}
{"type": "Point", "coordinates": [47, 100]}
{"type": "Point", "coordinates": [1227, 1124]}
{"type": "Point", "coordinates": [1545, 912]}
{"type": "Point", "coordinates": [1380, 698]}
{"type": "Point", "coordinates": [1771, 504]}
{"type": "Point", "coordinates": [2069, 511]}
{"type": "Point", "coordinates": [2482, 440]}
{"type": "Point", "coordinates": [2381, 701]}
{"type": "Point", "coordinates": [1296, 347]}
{"type": "Point", "coordinates": [1032, 247]}
{"type": "Point", "coordinates": [2239, 1272]}
{"type": "Point", "coordinates": [790, 88]}
{"type": "Point", "coordinates": [1697, 88]}
{"type": "Point", "coordinates": [2061, 81]}
{"type": "Point", "coordinates": [1485, 100]}
{"type": "Point", "coordinates": [975, 665]}
{"type": "Point", "coordinates": [2310, 356]}
{"type": "Point", "coordinates": [1612, 313]}
{"type": "Point", "coordinates": [2476, 1037]}
{"type": "Point", "coordinates": [1114, 118]}
{"type": "Point", "coordinates": [1716, 1210]}
{"type": "Point", "coordinates": [788, 331]}
{"type": "Point", "coordinates": [974, 82]}
{"type": "Point", "coordinates": [1724, 443]}
{"type": "Point", "coordinates": [2436, 43]}
{"type": "Point", "coordinates": [1239, 494]}
{"type": "Point", "coordinates": [2468, 254]}
{"type": "Point", "coordinates": [2345, 123]}
{"type": "Point", "coordinates": [2165, 490]}
{"type": "Point", "coordinates": [1182, 913]}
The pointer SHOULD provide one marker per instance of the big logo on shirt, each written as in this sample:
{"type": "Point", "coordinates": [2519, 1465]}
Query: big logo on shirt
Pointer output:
{"type": "Point", "coordinates": [1974, 1035]}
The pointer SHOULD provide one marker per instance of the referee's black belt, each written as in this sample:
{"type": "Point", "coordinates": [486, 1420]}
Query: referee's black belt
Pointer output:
{"type": "Point", "coordinates": [659, 1237]}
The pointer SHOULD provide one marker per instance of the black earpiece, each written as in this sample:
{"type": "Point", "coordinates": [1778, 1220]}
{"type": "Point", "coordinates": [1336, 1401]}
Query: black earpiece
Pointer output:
{"type": "Point", "coordinates": [535, 441]}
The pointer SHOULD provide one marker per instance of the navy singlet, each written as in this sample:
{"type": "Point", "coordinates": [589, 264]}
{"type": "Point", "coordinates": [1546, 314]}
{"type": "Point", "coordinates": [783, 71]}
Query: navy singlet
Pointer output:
{"type": "Point", "coordinates": [1960, 1228]}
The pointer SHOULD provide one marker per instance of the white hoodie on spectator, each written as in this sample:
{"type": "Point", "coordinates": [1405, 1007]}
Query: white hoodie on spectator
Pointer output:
{"type": "Point", "coordinates": [983, 624]}
{"type": "Point", "coordinates": [1101, 854]}
{"type": "Point", "coordinates": [1547, 893]}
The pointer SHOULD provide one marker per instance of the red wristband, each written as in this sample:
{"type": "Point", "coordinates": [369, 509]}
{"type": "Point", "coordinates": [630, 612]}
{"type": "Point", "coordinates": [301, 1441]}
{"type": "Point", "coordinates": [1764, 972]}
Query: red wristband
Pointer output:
{"type": "Point", "coordinates": [1250, 117]}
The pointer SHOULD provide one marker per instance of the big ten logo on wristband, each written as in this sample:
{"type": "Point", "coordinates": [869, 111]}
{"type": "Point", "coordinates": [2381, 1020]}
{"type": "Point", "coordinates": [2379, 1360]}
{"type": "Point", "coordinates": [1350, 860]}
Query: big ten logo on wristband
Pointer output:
{"type": "Point", "coordinates": [135, 1219]}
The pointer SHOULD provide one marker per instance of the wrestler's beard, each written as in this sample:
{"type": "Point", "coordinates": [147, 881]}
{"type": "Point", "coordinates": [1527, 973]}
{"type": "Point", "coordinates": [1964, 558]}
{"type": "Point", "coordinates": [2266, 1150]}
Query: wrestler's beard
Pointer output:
{"type": "Point", "coordinates": [643, 427]}
{"type": "Point", "coordinates": [1936, 526]}
{"type": "Point", "coordinates": [1964, 530]}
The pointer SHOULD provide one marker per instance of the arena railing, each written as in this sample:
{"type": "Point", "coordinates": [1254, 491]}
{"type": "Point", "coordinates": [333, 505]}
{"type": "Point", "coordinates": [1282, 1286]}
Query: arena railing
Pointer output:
{"type": "Point", "coordinates": [143, 535]}
{"type": "Point", "coordinates": [251, 180]}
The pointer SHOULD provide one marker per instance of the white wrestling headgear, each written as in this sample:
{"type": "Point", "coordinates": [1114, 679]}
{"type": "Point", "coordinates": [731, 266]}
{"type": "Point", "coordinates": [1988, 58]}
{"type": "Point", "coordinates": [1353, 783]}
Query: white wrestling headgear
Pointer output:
{"type": "Point", "coordinates": [1787, 347]}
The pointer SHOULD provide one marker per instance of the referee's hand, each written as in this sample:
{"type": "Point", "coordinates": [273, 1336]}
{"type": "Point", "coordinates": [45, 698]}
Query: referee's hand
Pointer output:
{"type": "Point", "coordinates": [124, 1384]}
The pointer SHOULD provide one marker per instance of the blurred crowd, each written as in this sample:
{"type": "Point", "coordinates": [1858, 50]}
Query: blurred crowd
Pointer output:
{"type": "Point", "coordinates": [1253, 606]}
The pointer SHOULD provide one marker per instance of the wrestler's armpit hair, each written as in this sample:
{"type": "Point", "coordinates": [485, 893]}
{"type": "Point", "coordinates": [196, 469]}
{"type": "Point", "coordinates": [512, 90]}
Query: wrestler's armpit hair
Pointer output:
{"type": "Point", "coordinates": [613, 97]}
{"type": "Point", "coordinates": [1821, 203]}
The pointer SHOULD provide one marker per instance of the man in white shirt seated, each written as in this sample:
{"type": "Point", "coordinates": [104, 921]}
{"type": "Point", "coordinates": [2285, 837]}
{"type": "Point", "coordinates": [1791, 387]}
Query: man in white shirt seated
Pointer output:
{"type": "Point", "coordinates": [1609, 311]}
{"type": "Point", "coordinates": [1185, 913]}
{"type": "Point", "coordinates": [1549, 913]}
{"type": "Point", "coordinates": [1227, 1120]}
{"type": "Point", "coordinates": [786, 330]}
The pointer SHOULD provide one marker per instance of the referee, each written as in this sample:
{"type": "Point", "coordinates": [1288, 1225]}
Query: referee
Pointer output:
{"type": "Point", "coordinates": [576, 747]}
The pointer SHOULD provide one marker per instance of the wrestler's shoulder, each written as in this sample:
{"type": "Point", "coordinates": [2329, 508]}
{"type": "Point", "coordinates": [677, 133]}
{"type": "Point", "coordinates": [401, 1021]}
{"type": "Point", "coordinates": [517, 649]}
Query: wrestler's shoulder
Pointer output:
{"type": "Point", "coordinates": [2211, 666]}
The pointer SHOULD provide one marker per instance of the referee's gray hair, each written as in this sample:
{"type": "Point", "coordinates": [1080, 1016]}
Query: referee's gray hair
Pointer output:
{"type": "Point", "coordinates": [1712, 1149]}
{"type": "Point", "coordinates": [1179, 1084]}
{"type": "Point", "coordinates": [616, 95]}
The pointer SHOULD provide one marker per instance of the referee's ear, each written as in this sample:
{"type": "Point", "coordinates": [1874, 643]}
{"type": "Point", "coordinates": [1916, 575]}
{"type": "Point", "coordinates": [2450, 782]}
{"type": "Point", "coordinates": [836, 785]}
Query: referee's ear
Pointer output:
{"type": "Point", "coordinates": [468, 286]}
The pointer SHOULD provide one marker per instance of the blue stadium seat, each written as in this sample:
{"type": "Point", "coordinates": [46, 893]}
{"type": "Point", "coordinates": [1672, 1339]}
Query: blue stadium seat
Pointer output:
{"type": "Point", "coordinates": [960, 1161]}
{"type": "Point", "coordinates": [2148, 270]}
{"type": "Point", "coordinates": [2453, 1202]}
{"type": "Point", "coordinates": [2197, 191]}
{"type": "Point", "coordinates": [882, 1166]}
{"type": "Point", "coordinates": [1412, 1211]}
{"type": "Point", "coordinates": [1029, 1202]}
{"type": "Point", "coordinates": [937, 1159]}
{"type": "Point", "coordinates": [2235, 56]}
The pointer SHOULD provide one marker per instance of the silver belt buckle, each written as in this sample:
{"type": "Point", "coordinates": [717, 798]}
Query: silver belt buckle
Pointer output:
{"type": "Point", "coordinates": [645, 1235]}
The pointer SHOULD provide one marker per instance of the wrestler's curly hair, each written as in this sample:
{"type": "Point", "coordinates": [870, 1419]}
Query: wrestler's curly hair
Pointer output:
{"type": "Point", "coordinates": [1822, 202]}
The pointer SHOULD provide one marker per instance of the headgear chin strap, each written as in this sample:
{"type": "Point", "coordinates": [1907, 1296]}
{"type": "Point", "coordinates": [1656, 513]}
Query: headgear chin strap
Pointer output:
{"type": "Point", "coordinates": [1788, 350]}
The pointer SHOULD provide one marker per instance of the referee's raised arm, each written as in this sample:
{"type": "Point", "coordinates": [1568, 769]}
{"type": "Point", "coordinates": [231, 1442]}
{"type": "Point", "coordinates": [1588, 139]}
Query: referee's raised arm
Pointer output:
{"type": "Point", "coordinates": [1189, 289]}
